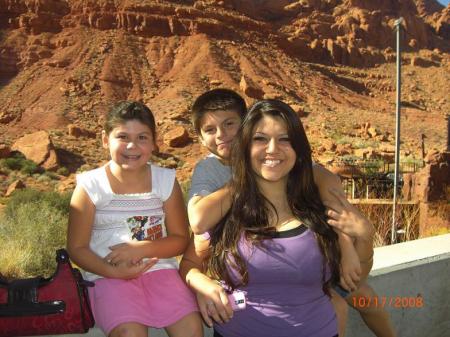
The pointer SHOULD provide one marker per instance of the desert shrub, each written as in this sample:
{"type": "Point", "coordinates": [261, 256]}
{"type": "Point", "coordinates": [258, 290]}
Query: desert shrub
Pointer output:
{"type": "Point", "coordinates": [185, 186]}
{"type": "Point", "coordinates": [19, 163]}
{"type": "Point", "coordinates": [32, 227]}
{"type": "Point", "coordinates": [44, 179]}
{"type": "Point", "coordinates": [56, 200]}
{"type": "Point", "coordinates": [365, 143]}
{"type": "Point", "coordinates": [29, 168]}
{"type": "Point", "coordinates": [11, 163]}
{"type": "Point", "coordinates": [51, 175]}
{"type": "Point", "coordinates": [344, 140]}
{"type": "Point", "coordinates": [64, 171]}
{"type": "Point", "coordinates": [407, 219]}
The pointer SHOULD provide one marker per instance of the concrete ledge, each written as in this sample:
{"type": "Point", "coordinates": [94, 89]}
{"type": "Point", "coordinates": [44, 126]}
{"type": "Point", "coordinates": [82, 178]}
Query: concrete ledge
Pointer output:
{"type": "Point", "coordinates": [404, 273]}
{"type": "Point", "coordinates": [401, 274]}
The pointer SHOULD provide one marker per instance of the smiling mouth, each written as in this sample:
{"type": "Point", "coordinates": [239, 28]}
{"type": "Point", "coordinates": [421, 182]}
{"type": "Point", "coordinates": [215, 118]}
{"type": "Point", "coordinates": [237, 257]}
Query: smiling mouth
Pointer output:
{"type": "Point", "coordinates": [129, 157]}
{"type": "Point", "coordinates": [223, 144]}
{"type": "Point", "coordinates": [271, 162]}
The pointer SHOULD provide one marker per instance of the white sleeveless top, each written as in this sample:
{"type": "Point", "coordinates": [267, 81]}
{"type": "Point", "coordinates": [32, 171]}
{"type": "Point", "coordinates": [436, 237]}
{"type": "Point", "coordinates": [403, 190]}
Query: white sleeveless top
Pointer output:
{"type": "Point", "coordinates": [126, 217]}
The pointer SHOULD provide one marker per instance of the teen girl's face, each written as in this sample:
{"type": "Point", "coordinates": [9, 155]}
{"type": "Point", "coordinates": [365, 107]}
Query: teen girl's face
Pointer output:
{"type": "Point", "coordinates": [272, 156]}
{"type": "Point", "coordinates": [217, 131]}
{"type": "Point", "coordinates": [130, 144]}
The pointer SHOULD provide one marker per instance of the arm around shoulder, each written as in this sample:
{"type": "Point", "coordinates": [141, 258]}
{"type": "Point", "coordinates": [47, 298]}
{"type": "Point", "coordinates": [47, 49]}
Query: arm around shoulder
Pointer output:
{"type": "Point", "coordinates": [206, 211]}
{"type": "Point", "coordinates": [353, 228]}
{"type": "Point", "coordinates": [192, 264]}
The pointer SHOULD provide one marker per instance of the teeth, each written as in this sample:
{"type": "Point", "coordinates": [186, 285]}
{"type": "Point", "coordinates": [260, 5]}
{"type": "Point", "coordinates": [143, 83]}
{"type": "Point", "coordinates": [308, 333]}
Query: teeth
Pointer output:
{"type": "Point", "coordinates": [132, 157]}
{"type": "Point", "coordinates": [271, 163]}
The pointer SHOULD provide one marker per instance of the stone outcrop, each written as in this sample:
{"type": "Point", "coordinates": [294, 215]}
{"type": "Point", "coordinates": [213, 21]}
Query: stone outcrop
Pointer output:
{"type": "Point", "coordinates": [432, 182]}
{"type": "Point", "coordinates": [78, 132]}
{"type": "Point", "coordinates": [5, 151]}
{"type": "Point", "coordinates": [249, 88]}
{"type": "Point", "coordinates": [345, 32]}
{"type": "Point", "coordinates": [16, 185]}
{"type": "Point", "coordinates": [65, 62]}
{"type": "Point", "coordinates": [177, 137]}
{"type": "Point", "coordinates": [39, 148]}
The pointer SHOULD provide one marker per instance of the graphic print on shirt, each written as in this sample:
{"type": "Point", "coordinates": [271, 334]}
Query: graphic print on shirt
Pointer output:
{"type": "Point", "coordinates": [145, 227]}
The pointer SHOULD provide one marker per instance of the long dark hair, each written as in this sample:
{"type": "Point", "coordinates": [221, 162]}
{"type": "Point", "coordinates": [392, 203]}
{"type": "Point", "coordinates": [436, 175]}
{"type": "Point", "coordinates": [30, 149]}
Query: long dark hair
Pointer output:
{"type": "Point", "coordinates": [249, 213]}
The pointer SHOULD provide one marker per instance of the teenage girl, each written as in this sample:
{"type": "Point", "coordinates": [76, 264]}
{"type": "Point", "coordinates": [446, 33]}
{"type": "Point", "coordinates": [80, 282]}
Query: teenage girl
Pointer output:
{"type": "Point", "coordinates": [275, 244]}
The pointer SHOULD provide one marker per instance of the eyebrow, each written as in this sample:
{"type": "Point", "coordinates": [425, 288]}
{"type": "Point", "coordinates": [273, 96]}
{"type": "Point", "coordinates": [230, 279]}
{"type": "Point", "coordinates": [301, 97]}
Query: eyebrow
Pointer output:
{"type": "Point", "coordinates": [140, 133]}
{"type": "Point", "coordinates": [205, 126]}
{"type": "Point", "coordinates": [265, 134]}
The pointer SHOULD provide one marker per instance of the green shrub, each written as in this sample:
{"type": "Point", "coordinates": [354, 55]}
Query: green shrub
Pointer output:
{"type": "Point", "coordinates": [32, 227]}
{"type": "Point", "coordinates": [29, 168]}
{"type": "Point", "coordinates": [55, 200]}
{"type": "Point", "coordinates": [64, 171]}
{"type": "Point", "coordinates": [12, 163]}
{"type": "Point", "coordinates": [185, 186]}
{"type": "Point", "coordinates": [51, 175]}
{"type": "Point", "coordinates": [363, 144]}
{"type": "Point", "coordinates": [344, 140]}
{"type": "Point", "coordinates": [19, 163]}
{"type": "Point", "coordinates": [44, 178]}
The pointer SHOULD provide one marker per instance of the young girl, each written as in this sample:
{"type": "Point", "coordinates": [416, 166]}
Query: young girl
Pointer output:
{"type": "Point", "coordinates": [275, 244]}
{"type": "Point", "coordinates": [127, 223]}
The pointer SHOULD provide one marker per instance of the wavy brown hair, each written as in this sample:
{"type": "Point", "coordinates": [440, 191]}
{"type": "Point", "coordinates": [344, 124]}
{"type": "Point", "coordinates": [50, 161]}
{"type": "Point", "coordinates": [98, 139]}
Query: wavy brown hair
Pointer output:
{"type": "Point", "coordinates": [250, 210]}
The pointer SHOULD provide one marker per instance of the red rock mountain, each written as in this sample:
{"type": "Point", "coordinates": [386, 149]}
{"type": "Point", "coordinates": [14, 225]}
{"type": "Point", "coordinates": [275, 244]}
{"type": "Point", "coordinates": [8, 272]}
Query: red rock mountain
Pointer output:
{"type": "Point", "coordinates": [64, 62]}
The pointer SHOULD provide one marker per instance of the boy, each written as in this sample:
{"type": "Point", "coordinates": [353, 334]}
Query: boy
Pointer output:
{"type": "Point", "coordinates": [216, 116]}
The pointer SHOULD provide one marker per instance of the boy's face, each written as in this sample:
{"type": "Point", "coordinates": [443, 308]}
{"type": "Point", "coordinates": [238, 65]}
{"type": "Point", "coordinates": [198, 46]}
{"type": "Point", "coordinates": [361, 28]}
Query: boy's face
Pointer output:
{"type": "Point", "coordinates": [217, 130]}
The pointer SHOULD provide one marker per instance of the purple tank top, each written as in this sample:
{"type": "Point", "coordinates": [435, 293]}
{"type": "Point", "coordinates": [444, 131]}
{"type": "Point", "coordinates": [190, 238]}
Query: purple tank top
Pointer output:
{"type": "Point", "coordinates": [284, 293]}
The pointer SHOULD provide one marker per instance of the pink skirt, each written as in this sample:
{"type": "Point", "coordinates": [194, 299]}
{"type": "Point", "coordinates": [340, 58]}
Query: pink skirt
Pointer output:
{"type": "Point", "coordinates": [156, 299]}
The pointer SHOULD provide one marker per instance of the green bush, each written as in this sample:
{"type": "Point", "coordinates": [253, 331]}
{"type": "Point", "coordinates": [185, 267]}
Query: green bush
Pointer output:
{"type": "Point", "coordinates": [29, 168]}
{"type": "Point", "coordinates": [12, 163]}
{"type": "Point", "coordinates": [54, 199]}
{"type": "Point", "coordinates": [51, 175]}
{"type": "Point", "coordinates": [64, 171]}
{"type": "Point", "coordinates": [19, 163]}
{"type": "Point", "coordinates": [185, 186]}
{"type": "Point", "coordinates": [33, 226]}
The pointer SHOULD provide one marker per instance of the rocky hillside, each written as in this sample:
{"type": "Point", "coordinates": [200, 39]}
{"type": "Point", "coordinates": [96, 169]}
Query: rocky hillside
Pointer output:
{"type": "Point", "coordinates": [63, 62]}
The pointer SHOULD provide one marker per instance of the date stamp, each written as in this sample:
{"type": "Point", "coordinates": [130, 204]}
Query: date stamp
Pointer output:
{"type": "Point", "coordinates": [388, 301]}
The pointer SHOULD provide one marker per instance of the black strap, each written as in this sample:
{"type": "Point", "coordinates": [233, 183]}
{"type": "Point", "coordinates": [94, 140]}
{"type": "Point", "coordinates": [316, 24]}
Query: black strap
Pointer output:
{"type": "Point", "coordinates": [32, 309]}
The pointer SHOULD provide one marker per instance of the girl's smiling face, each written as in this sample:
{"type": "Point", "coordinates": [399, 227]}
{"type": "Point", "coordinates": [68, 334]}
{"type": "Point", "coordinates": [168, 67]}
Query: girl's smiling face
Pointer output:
{"type": "Point", "coordinates": [271, 153]}
{"type": "Point", "coordinates": [130, 144]}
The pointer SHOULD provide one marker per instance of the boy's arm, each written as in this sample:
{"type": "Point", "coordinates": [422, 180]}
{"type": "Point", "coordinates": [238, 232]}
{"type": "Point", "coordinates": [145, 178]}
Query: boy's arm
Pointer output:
{"type": "Point", "coordinates": [210, 197]}
{"type": "Point", "coordinates": [346, 218]}
{"type": "Point", "coordinates": [352, 270]}
{"type": "Point", "coordinates": [211, 297]}
{"type": "Point", "coordinates": [206, 211]}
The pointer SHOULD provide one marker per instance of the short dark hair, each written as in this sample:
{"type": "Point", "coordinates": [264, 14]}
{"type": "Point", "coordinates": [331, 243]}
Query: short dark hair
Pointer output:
{"type": "Point", "coordinates": [215, 100]}
{"type": "Point", "coordinates": [128, 110]}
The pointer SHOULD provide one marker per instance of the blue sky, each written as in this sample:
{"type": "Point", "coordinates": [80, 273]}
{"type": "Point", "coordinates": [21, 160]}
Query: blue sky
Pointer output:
{"type": "Point", "coordinates": [444, 2]}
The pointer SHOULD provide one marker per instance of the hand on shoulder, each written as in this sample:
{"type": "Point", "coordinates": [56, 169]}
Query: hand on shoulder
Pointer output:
{"type": "Point", "coordinates": [347, 218]}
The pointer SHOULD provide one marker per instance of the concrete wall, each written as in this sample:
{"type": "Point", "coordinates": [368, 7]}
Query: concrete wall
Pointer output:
{"type": "Point", "coordinates": [402, 274]}
{"type": "Point", "coordinates": [419, 268]}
